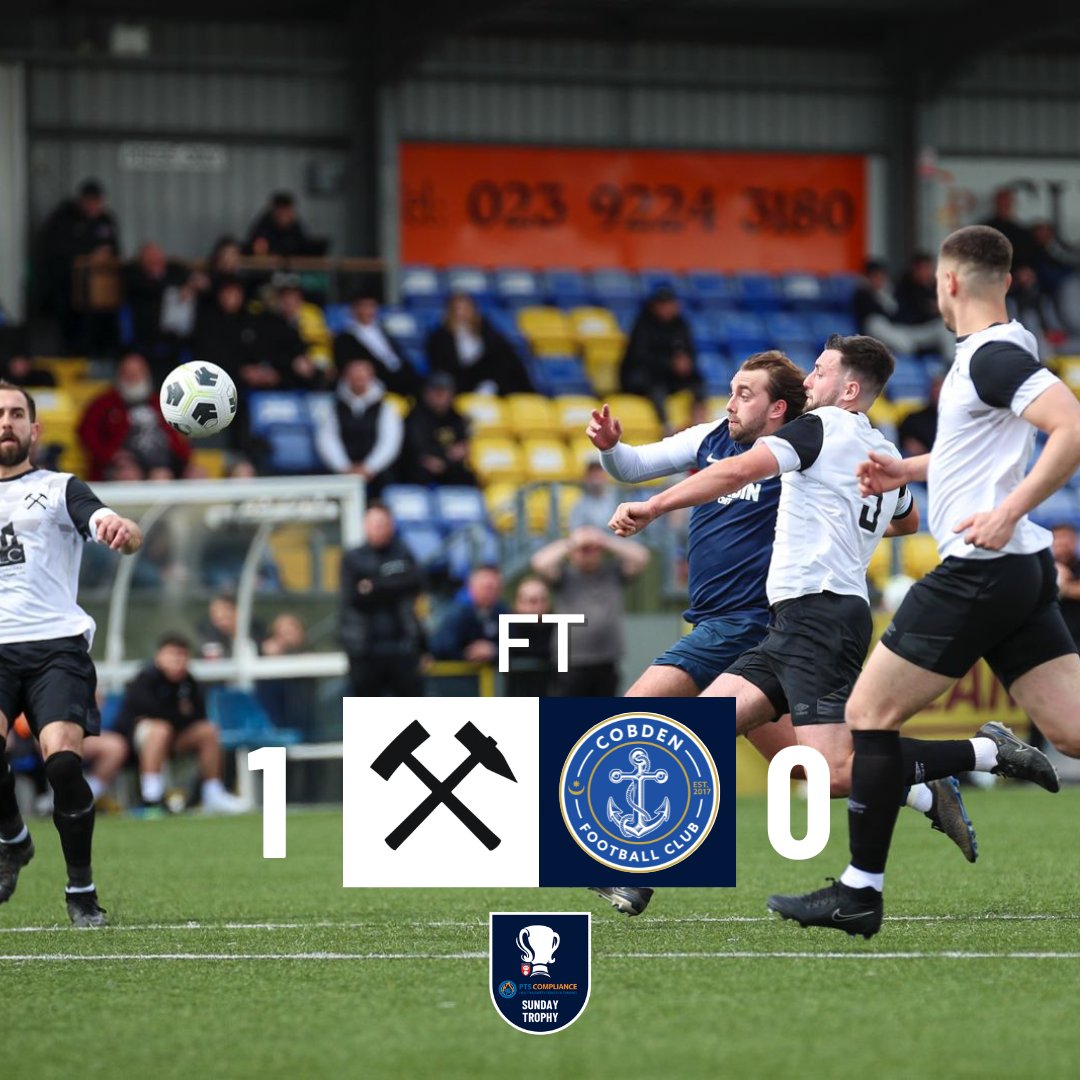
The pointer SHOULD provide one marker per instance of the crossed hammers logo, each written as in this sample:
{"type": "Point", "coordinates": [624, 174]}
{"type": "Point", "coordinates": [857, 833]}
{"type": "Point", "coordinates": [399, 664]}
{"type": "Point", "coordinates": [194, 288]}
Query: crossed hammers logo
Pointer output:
{"type": "Point", "coordinates": [483, 750]}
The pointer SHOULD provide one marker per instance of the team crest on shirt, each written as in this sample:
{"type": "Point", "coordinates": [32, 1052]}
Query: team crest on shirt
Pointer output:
{"type": "Point", "coordinates": [12, 552]}
{"type": "Point", "coordinates": [639, 792]}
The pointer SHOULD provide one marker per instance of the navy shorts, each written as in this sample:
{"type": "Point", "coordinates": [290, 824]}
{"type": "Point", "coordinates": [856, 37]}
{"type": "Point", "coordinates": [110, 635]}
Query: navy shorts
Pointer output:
{"type": "Point", "coordinates": [1004, 609]}
{"type": "Point", "coordinates": [714, 645]}
{"type": "Point", "coordinates": [49, 681]}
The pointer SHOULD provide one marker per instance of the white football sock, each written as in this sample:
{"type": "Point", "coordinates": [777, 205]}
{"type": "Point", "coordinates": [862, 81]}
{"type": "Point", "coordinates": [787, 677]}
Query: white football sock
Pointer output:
{"type": "Point", "coordinates": [211, 789]}
{"type": "Point", "coordinates": [986, 756]}
{"type": "Point", "coordinates": [854, 878]}
{"type": "Point", "coordinates": [152, 785]}
{"type": "Point", "coordinates": [79, 888]}
{"type": "Point", "coordinates": [98, 787]}
{"type": "Point", "coordinates": [920, 798]}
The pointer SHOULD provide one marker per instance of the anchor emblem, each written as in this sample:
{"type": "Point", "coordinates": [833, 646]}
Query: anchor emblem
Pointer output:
{"type": "Point", "coordinates": [637, 821]}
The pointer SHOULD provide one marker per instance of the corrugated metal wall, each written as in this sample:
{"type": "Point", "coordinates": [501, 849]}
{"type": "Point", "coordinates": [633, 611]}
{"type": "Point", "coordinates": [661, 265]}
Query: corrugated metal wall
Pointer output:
{"type": "Point", "coordinates": [645, 95]}
{"type": "Point", "coordinates": [273, 97]}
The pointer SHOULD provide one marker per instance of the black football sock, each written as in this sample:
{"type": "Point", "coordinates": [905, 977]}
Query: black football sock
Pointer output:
{"type": "Point", "coordinates": [73, 815]}
{"type": "Point", "coordinates": [934, 759]}
{"type": "Point", "coordinates": [877, 786]}
{"type": "Point", "coordinates": [11, 822]}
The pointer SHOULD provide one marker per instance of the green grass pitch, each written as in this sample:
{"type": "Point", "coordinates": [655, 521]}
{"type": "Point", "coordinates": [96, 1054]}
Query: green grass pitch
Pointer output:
{"type": "Point", "coordinates": [221, 964]}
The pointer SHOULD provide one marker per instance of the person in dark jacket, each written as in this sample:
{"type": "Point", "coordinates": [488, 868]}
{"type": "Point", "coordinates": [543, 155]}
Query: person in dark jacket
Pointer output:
{"type": "Point", "coordinates": [660, 358]}
{"type": "Point", "coordinates": [162, 297]}
{"type": "Point", "coordinates": [436, 438]}
{"type": "Point", "coordinates": [473, 353]}
{"type": "Point", "coordinates": [279, 231]}
{"type": "Point", "coordinates": [380, 632]}
{"type": "Point", "coordinates": [226, 334]}
{"type": "Point", "coordinates": [80, 226]}
{"type": "Point", "coordinates": [365, 338]}
{"type": "Point", "coordinates": [532, 667]}
{"type": "Point", "coordinates": [470, 628]}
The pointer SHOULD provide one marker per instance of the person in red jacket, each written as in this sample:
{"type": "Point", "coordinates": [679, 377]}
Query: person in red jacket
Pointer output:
{"type": "Point", "coordinates": [124, 425]}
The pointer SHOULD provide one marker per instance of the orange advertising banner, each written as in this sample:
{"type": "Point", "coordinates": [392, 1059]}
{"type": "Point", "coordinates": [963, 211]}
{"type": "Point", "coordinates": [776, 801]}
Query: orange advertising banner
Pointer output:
{"type": "Point", "coordinates": [637, 209]}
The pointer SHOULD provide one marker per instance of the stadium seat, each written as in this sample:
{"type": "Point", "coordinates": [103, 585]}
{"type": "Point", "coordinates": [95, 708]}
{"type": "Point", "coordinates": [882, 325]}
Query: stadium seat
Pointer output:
{"type": "Point", "coordinates": [547, 459]}
{"type": "Point", "coordinates": [555, 375]}
{"type": "Point", "coordinates": [651, 280]}
{"type": "Point", "coordinates": [548, 507]}
{"type": "Point", "coordinates": [573, 413]}
{"type": "Point", "coordinates": [602, 363]}
{"type": "Point", "coordinates": [639, 420]}
{"type": "Point", "coordinates": [743, 331]}
{"type": "Point", "coordinates": [608, 285]}
{"type": "Point", "coordinates": [918, 555]}
{"type": "Point", "coordinates": [839, 290]}
{"type": "Point", "coordinates": [759, 292]}
{"type": "Point", "coordinates": [403, 325]}
{"type": "Point", "coordinates": [495, 458]}
{"type": "Point", "coordinates": [501, 501]}
{"type": "Point", "coordinates": [456, 506]}
{"type": "Point", "coordinates": [518, 287]}
{"type": "Point", "coordinates": [469, 548]}
{"type": "Point", "coordinates": [487, 414]}
{"type": "Point", "coordinates": [803, 292]}
{"type": "Point", "coordinates": [582, 453]}
{"type": "Point", "coordinates": [594, 323]}
{"type": "Point", "coordinates": [911, 379]}
{"type": "Point", "coordinates": [880, 568]}
{"type": "Point", "coordinates": [244, 722]}
{"type": "Point", "coordinates": [472, 281]}
{"type": "Point", "coordinates": [788, 329]}
{"type": "Point", "coordinates": [566, 288]}
{"type": "Point", "coordinates": [1068, 368]}
{"type": "Point", "coordinates": [716, 406]}
{"type": "Point", "coordinates": [548, 331]}
{"type": "Point", "coordinates": [426, 544]}
{"type": "Point", "coordinates": [284, 421]}
{"type": "Point", "coordinates": [212, 462]}
{"type": "Point", "coordinates": [679, 407]}
{"type": "Point", "coordinates": [531, 414]}
{"type": "Point", "coordinates": [410, 503]}
{"type": "Point", "coordinates": [705, 287]}
{"type": "Point", "coordinates": [337, 317]}
{"type": "Point", "coordinates": [717, 369]}
{"type": "Point", "coordinates": [422, 283]}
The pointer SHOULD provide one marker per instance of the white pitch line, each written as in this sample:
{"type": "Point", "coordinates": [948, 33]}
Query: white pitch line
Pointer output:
{"type": "Point", "coordinates": [482, 924]}
{"type": "Point", "coordinates": [950, 954]}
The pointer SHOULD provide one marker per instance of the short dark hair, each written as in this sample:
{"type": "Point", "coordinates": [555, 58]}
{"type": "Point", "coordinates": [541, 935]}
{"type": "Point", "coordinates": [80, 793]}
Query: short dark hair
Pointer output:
{"type": "Point", "coordinates": [980, 247]}
{"type": "Point", "coordinates": [174, 639]}
{"type": "Point", "coordinates": [282, 198]}
{"type": "Point", "coordinates": [785, 379]}
{"type": "Point", "coordinates": [31, 404]}
{"type": "Point", "coordinates": [866, 358]}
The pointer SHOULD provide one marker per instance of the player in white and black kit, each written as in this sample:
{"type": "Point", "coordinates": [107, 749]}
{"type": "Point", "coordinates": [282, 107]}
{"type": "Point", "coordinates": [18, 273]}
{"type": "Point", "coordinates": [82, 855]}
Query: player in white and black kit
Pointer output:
{"type": "Point", "coordinates": [826, 532]}
{"type": "Point", "coordinates": [45, 666]}
{"type": "Point", "coordinates": [995, 593]}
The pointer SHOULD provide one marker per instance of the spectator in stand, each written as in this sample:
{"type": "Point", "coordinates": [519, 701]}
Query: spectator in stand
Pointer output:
{"type": "Point", "coordinates": [279, 231]}
{"type": "Point", "coordinates": [531, 667]}
{"type": "Point", "coordinates": [1027, 303]}
{"type": "Point", "coordinates": [916, 292]}
{"type": "Point", "coordinates": [163, 713]}
{"type": "Point", "coordinates": [660, 357]}
{"type": "Point", "coordinates": [224, 260]}
{"type": "Point", "coordinates": [1063, 548]}
{"type": "Point", "coordinates": [281, 347]}
{"type": "Point", "coordinates": [305, 318]}
{"type": "Point", "coordinates": [364, 337]}
{"type": "Point", "coordinates": [287, 701]}
{"type": "Point", "coordinates": [217, 628]}
{"type": "Point", "coordinates": [436, 438]}
{"type": "Point", "coordinates": [469, 629]}
{"type": "Point", "coordinates": [226, 334]}
{"type": "Point", "coordinates": [1025, 249]}
{"type": "Point", "coordinates": [80, 226]}
{"type": "Point", "coordinates": [15, 365]}
{"type": "Point", "coordinates": [162, 297]}
{"type": "Point", "coordinates": [126, 419]}
{"type": "Point", "coordinates": [1055, 266]}
{"type": "Point", "coordinates": [918, 430]}
{"type": "Point", "coordinates": [380, 632]}
{"type": "Point", "coordinates": [359, 431]}
{"type": "Point", "coordinates": [877, 313]}
{"type": "Point", "coordinates": [598, 501]}
{"type": "Point", "coordinates": [586, 580]}
{"type": "Point", "coordinates": [473, 353]}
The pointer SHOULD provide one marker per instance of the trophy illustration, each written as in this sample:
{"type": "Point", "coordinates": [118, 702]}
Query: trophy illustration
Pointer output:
{"type": "Point", "coordinates": [538, 945]}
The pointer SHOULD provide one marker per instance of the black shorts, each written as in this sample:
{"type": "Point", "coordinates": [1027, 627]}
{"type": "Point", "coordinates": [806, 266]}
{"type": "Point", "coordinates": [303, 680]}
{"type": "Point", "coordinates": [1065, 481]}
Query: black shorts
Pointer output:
{"type": "Point", "coordinates": [1003, 609]}
{"type": "Point", "coordinates": [811, 656]}
{"type": "Point", "coordinates": [49, 681]}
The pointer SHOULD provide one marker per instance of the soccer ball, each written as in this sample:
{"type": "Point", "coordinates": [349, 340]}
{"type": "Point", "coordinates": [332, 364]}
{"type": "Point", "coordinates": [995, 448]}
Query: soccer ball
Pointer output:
{"type": "Point", "coordinates": [198, 399]}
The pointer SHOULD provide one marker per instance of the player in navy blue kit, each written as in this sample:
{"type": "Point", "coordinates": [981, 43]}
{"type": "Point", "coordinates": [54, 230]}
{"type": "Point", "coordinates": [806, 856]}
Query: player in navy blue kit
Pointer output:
{"type": "Point", "coordinates": [45, 666]}
{"type": "Point", "coordinates": [994, 595]}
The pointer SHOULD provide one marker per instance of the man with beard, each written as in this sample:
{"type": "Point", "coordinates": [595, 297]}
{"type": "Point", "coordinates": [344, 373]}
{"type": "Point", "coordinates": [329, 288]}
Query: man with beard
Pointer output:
{"type": "Point", "coordinates": [45, 666]}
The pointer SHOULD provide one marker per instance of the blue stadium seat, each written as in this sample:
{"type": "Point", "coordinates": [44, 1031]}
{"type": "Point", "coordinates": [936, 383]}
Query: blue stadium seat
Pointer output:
{"type": "Point", "coordinates": [717, 370]}
{"type": "Point", "coordinates": [626, 313]}
{"type": "Point", "coordinates": [426, 544]}
{"type": "Point", "coordinates": [456, 506]}
{"type": "Point", "coordinates": [759, 291]}
{"type": "Point", "coordinates": [801, 354]}
{"type": "Point", "coordinates": [1062, 507]}
{"type": "Point", "coordinates": [566, 288]}
{"type": "Point", "coordinates": [705, 287]}
{"type": "Point", "coordinates": [470, 280]}
{"type": "Point", "coordinates": [337, 317]}
{"type": "Point", "coordinates": [409, 503]}
{"type": "Point", "coordinates": [422, 282]}
{"type": "Point", "coordinates": [707, 333]}
{"type": "Point", "coordinates": [269, 407]}
{"type": "Point", "coordinates": [555, 375]}
{"type": "Point", "coordinates": [243, 720]}
{"type": "Point", "coordinates": [651, 280]}
{"type": "Point", "coordinates": [803, 292]}
{"type": "Point", "coordinates": [743, 332]}
{"type": "Point", "coordinates": [518, 287]}
{"type": "Point", "coordinates": [824, 324]}
{"type": "Point", "coordinates": [609, 285]}
{"type": "Point", "coordinates": [283, 421]}
{"type": "Point", "coordinates": [911, 379]}
{"type": "Point", "coordinates": [840, 288]}
{"type": "Point", "coordinates": [786, 329]}
{"type": "Point", "coordinates": [403, 325]}
{"type": "Point", "coordinates": [469, 548]}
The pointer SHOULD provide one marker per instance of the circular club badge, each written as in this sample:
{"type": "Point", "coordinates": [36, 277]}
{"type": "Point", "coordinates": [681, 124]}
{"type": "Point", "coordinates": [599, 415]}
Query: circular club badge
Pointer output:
{"type": "Point", "coordinates": [639, 792]}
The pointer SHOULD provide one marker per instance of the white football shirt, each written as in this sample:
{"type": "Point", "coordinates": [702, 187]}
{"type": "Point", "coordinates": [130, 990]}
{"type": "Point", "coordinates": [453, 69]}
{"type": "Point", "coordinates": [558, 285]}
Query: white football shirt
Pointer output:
{"type": "Point", "coordinates": [983, 445]}
{"type": "Point", "coordinates": [825, 531]}
{"type": "Point", "coordinates": [45, 518]}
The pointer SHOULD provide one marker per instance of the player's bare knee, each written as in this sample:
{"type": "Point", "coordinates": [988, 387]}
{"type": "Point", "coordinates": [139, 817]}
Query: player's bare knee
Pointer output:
{"type": "Point", "coordinates": [864, 714]}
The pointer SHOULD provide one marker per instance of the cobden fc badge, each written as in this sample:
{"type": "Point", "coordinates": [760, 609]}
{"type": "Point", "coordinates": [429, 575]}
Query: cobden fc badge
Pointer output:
{"type": "Point", "coordinates": [540, 968]}
{"type": "Point", "coordinates": [640, 792]}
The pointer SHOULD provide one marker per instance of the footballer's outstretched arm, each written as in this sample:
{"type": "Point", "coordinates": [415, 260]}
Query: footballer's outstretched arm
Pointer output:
{"type": "Point", "coordinates": [720, 478]}
{"type": "Point", "coordinates": [883, 472]}
{"type": "Point", "coordinates": [119, 533]}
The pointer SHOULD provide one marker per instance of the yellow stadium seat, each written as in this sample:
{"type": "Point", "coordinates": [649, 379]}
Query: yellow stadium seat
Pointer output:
{"type": "Point", "coordinates": [882, 414]}
{"type": "Point", "coordinates": [531, 414]}
{"type": "Point", "coordinates": [904, 407]}
{"type": "Point", "coordinates": [881, 561]}
{"type": "Point", "coordinates": [548, 459]}
{"type": "Point", "coordinates": [594, 322]}
{"type": "Point", "coordinates": [583, 453]}
{"type": "Point", "coordinates": [716, 408]}
{"type": "Point", "coordinates": [603, 351]}
{"type": "Point", "coordinates": [331, 568]}
{"type": "Point", "coordinates": [539, 505]}
{"type": "Point", "coordinates": [548, 331]}
{"type": "Point", "coordinates": [679, 407]}
{"type": "Point", "coordinates": [80, 394]}
{"type": "Point", "coordinates": [291, 550]}
{"type": "Point", "coordinates": [501, 500]}
{"type": "Point", "coordinates": [639, 420]}
{"type": "Point", "coordinates": [212, 462]}
{"type": "Point", "coordinates": [495, 458]}
{"type": "Point", "coordinates": [919, 555]}
{"type": "Point", "coordinates": [487, 414]}
{"type": "Point", "coordinates": [574, 411]}
{"type": "Point", "coordinates": [603, 373]}
{"type": "Point", "coordinates": [66, 369]}
{"type": "Point", "coordinates": [400, 404]}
